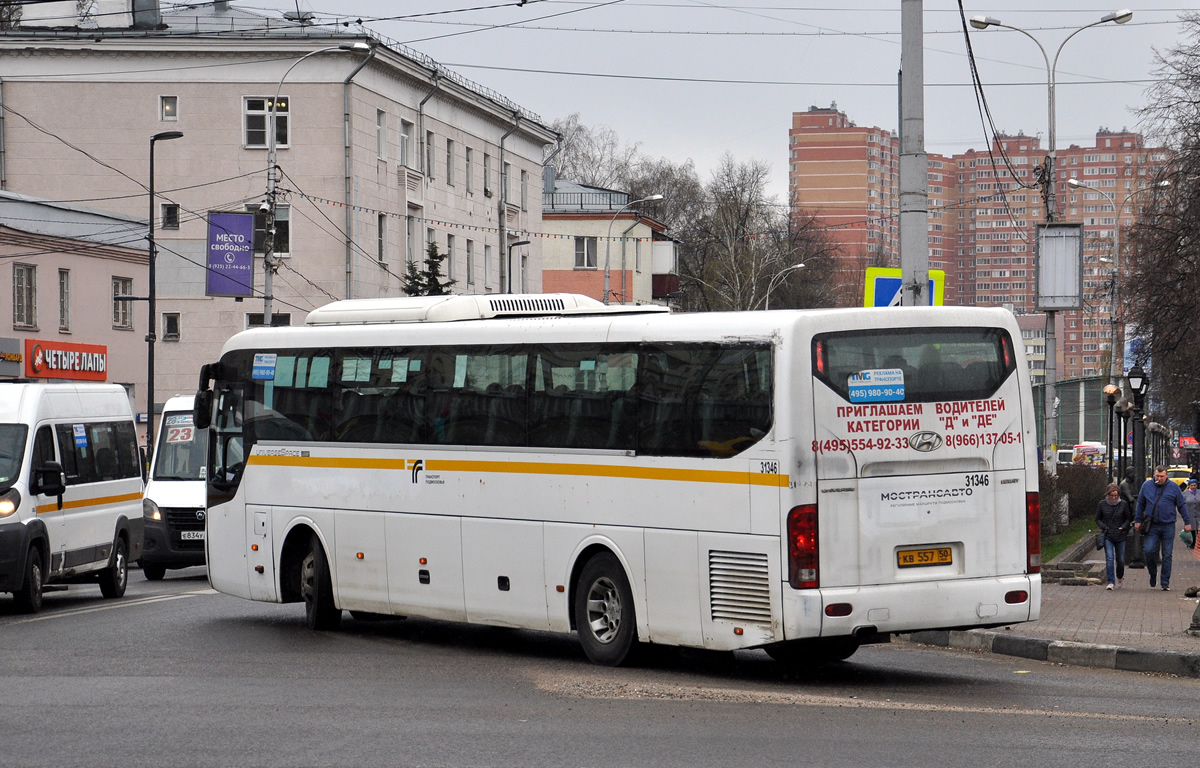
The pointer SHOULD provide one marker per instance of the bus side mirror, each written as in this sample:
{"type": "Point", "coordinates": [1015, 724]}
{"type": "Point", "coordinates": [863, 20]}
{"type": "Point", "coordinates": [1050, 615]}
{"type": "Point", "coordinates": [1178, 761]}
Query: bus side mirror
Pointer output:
{"type": "Point", "coordinates": [48, 480]}
{"type": "Point", "coordinates": [202, 412]}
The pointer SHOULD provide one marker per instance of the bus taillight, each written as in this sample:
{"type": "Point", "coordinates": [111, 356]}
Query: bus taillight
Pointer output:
{"type": "Point", "coordinates": [820, 356]}
{"type": "Point", "coordinates": [803, 555]}
{"type": "Point", "coordinates": [1033, 532]}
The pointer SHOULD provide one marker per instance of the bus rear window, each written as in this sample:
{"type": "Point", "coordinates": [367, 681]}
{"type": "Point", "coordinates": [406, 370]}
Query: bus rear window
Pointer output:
{"type": "Point", "coordinates": [915, 365]}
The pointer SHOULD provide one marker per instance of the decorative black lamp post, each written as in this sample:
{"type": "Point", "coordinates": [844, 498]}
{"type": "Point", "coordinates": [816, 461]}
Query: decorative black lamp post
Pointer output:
{"type": "Point", "coordinates": [1138, 384]}
{"type": "Point", "coordinates": [1111, 392]}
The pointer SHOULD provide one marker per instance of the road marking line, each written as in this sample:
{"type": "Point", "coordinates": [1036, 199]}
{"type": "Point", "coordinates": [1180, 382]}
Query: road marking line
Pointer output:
{"type": "Point", "coordinates": [111, 606]}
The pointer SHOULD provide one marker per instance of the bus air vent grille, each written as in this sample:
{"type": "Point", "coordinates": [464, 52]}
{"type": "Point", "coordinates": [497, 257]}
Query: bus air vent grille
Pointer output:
{"type": "Point", "coordinates": [739, 587]}
{"type": "Point", "coordinates": [522, 305]}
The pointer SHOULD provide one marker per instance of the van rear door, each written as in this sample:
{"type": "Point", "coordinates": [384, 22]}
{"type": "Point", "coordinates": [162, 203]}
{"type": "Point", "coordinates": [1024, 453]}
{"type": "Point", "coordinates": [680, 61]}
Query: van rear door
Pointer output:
{"type": "Point", "coordinates": [920, 455]}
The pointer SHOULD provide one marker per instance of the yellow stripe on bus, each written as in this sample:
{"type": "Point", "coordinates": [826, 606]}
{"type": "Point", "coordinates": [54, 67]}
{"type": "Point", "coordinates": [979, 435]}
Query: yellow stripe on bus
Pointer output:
{"type": "Point", "coordinates": [96, 502]}
{"type": "Point", "coordinates": [533, 468]}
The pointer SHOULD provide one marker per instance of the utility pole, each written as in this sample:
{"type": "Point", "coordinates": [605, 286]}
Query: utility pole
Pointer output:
{"type": "Point", "coordinates": [914, 163]}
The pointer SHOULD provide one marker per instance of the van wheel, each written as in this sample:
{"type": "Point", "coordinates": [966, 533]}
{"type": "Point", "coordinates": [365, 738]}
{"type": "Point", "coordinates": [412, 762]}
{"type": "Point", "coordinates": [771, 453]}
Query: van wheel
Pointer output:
{"type": "Point", "coordinates": [153, 572]}
{"type": "Point", "coordinates": [317, 590]}
{"type": "Point", "coordinates": [29, 596]}
{"type": "Point", "coordinates": [604, 612]}
{"type": "Point", "coordinates": [114, 580]}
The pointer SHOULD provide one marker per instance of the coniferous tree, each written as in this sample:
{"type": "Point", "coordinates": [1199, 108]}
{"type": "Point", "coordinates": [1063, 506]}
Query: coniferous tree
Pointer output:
{"type": "Point", "coordinates": [428, 281]}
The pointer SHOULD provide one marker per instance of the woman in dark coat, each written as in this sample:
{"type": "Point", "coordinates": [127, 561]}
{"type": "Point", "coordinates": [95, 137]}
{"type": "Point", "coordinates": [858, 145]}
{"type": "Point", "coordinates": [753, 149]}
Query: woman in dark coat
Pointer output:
{"type": "Point", "coordinates": [1114, 517]}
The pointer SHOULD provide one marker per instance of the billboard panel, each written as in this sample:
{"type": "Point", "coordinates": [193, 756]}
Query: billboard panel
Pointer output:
{"type": "Point", "coordinates": [230, 254]}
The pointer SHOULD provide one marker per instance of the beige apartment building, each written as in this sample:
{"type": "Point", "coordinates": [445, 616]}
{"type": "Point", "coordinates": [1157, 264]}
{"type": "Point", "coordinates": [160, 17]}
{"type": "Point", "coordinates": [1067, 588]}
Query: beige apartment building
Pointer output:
{"type": "Point", "coordinates": [380, 151]}
{"type": "Point", "coordinates": [985, 206]}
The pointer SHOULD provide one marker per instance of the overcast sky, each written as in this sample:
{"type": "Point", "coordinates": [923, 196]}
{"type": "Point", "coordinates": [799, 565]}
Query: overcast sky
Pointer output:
{"type": "Point", "coordinates": [693, 79]}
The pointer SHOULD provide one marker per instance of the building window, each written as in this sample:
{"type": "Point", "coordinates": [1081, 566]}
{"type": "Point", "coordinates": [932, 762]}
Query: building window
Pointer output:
{"type": "Point", "coordinates": [429, 154]}
{"type": "Point", "coordinates": [381, 238]}
{"type": "Point", "coordinates": [585, 253]}
{"type": "Point", "coordinates": [168, 216]}
{"type": "Point", "coordinates": [410, 238]}
{"type": "Point", "coordinates": [381, 134]}
{"type": "Point", "coordinates": [487, 265]}
{"type": "Point", "coordinates": [24, 295]}
{"type": "Point", "coordinates": [64, 300]}
{"type": "Point", "coordinates": [406, 129]}
{"type": "Point", "coordinates": [505, 172]}
{"type": "Point", "coordinates": [450, 257]}
{"type": "Point", "coordinates": [283, 233]}
{"type": "Point", "coordinates": [278, 319]}
{"type": "Point", "coordinates": [168, 108]}
{"type": "Point", "coordinates": [487, 175]}
{"type": "Point", "coordinates": [122, 308]}
{"type": "Point", "coordinates": [524, 190]}
{"type": "Point", "coordinates": [450, 162]}
{"type": "Point", "coordinates": [257, 110]}
{"type": "Point", "coordinates": [469, 170]}
{"type": "Point", "coordinates": [470, 262]}
{"type": "Point", "coordinates": [170, 329]}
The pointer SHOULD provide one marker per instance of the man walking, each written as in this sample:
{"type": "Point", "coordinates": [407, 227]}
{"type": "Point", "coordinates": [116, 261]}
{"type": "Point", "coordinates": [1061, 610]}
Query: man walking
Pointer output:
{"type": "Point", "coordinates": [1157, 504]}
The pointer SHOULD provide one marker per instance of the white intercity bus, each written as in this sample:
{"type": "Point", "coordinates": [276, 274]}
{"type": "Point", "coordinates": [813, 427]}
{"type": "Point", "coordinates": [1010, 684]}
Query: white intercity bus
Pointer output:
{"type": "Point", "coordinates": [799, 481]}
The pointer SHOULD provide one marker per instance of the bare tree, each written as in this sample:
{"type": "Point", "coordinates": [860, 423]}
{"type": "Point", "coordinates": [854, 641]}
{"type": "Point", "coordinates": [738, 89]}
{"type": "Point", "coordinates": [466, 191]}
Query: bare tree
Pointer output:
{"type": "Point", "coordinates": [10, 14]}
{"type": "Point", "coordinates": [592, 155]}
{"type": "Point", "coordinates": [1161, 287]}
{"type": "Point", "coordinates": [739, 252]}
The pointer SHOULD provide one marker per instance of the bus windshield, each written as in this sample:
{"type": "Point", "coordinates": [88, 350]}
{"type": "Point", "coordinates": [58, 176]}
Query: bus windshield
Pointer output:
{"type": "Point", "coordinates": [12, 451]}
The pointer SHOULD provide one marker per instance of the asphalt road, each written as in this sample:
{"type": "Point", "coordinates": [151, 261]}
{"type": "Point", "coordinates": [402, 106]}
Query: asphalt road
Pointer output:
{"type": "Point", "coordinates": [176, 675]}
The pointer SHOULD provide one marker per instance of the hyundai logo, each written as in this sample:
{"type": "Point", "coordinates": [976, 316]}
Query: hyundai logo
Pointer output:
{"type": "Point", "coordinates": [925, 441]}
{"type": "Point", "coordinates": [200, 515]}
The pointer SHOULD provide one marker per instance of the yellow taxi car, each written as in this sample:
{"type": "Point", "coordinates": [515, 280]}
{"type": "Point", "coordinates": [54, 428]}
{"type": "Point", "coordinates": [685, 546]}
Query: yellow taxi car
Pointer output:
{"type": "Point", "coordinates": [1180, 475]}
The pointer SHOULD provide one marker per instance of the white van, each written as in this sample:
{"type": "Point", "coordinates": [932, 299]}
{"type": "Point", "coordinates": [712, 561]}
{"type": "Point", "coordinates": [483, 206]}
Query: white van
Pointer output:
{"type": "Point", "coordinates": [70, 488]}
{"type": "Point", "coordinates": [173, 506]}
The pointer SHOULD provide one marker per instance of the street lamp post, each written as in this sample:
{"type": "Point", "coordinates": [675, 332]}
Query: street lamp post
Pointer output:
{"type": "Point", "coordinates": [1111, 393]}
{"type": "Point", "coordinates": [775, 280]}
{"type": "Point", "coordinates": [983, 22]}
{"type": "Point", "coordinates": [1114, 370]}
{"type": "Point", "coordinates": [1122, 408]}
{"type": "Point", "coordinates": [150, 294]}
{"type": "Point", "coordinates": [1138, 384]}
{"type": "Point", "coordinates": [608, 240]}
{"type": "Point", "coordinates": [269, 264]}
{"type": "Point", "coordinates": [509, 264]}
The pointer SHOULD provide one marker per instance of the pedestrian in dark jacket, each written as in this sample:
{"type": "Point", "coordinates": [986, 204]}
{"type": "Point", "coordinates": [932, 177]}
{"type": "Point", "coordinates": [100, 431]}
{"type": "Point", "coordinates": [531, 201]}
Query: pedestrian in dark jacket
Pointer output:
{"type": "Point", "coordinates": [1154, 517]}
{"type": "Point", "coordinates": [1114, 517]}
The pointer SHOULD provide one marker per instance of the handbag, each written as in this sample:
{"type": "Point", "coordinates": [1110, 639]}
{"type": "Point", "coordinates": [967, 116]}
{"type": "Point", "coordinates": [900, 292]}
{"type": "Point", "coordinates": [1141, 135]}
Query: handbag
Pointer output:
{"type": "Point", "coordinates": [1100, 540]}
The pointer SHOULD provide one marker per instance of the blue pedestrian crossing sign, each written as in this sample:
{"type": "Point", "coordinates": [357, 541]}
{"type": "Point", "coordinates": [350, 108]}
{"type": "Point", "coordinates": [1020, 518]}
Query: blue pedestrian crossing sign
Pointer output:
{"type": "Point", "coordinates": [883, 287]}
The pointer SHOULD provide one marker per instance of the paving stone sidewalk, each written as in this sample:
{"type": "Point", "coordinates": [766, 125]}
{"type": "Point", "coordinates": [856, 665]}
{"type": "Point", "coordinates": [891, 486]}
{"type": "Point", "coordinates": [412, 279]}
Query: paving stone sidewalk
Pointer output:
{"type": "Point", "coordinates": [1133, 627]}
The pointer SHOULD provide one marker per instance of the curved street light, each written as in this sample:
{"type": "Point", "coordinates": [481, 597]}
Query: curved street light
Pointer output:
{"type": "Point", "coordinates": [775, 280]}
{"type": "Point", "coordinates": [269, 224]}
{"type": "Point", "coordinates": [983, 22]}
{"type": "Point", "coordinates": [608, 239]}
{"type": "Point", "coordinates": [151, 335]}
{"type": "Point", "coordinates": [1114, 371]}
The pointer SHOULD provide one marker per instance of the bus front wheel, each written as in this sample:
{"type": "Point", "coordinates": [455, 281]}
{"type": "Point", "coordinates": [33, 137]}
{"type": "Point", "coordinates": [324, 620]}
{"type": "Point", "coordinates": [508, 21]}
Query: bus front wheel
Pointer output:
{"type": "Point", "coordinates": [604, 613]}
{"type": "Point", "coordinates": [317, 590]}
{"type": "Point", "coordinates": [29, 596]}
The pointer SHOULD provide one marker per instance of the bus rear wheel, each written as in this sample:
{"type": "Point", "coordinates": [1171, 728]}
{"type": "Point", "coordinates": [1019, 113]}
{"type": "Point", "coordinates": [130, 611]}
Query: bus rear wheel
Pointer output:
{"type": "Point", "coordinates": [317, 590]}
{"type": "Point", "coordinates": [604, 613]}
{"type": "Point", "coordinates": [114, 580]}
{"type": "Point", "coordinates": [817, 651]}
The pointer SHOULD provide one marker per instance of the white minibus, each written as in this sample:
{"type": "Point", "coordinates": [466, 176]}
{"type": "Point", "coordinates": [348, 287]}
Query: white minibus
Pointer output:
{"type": "Point", "coordinates": [70, 488]}
{"type": "Point", "coordinates": [799, 481]}
{"type": "Point", "coordinates": [173, 505]}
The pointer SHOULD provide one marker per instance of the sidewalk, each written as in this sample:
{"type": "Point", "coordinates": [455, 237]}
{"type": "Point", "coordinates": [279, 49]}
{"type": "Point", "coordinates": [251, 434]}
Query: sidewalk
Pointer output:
{"type": "Point", "coordinates": [1133, 628]}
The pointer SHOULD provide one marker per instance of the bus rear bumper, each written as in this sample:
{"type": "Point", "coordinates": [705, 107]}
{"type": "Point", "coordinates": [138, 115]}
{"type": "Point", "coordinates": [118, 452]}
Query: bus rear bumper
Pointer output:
{"type": "Point", "coordinates": [909, 607]}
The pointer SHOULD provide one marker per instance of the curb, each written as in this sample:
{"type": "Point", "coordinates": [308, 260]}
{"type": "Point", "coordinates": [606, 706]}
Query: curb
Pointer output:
{"type": "Point", "coordinates": [1064, 652]}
